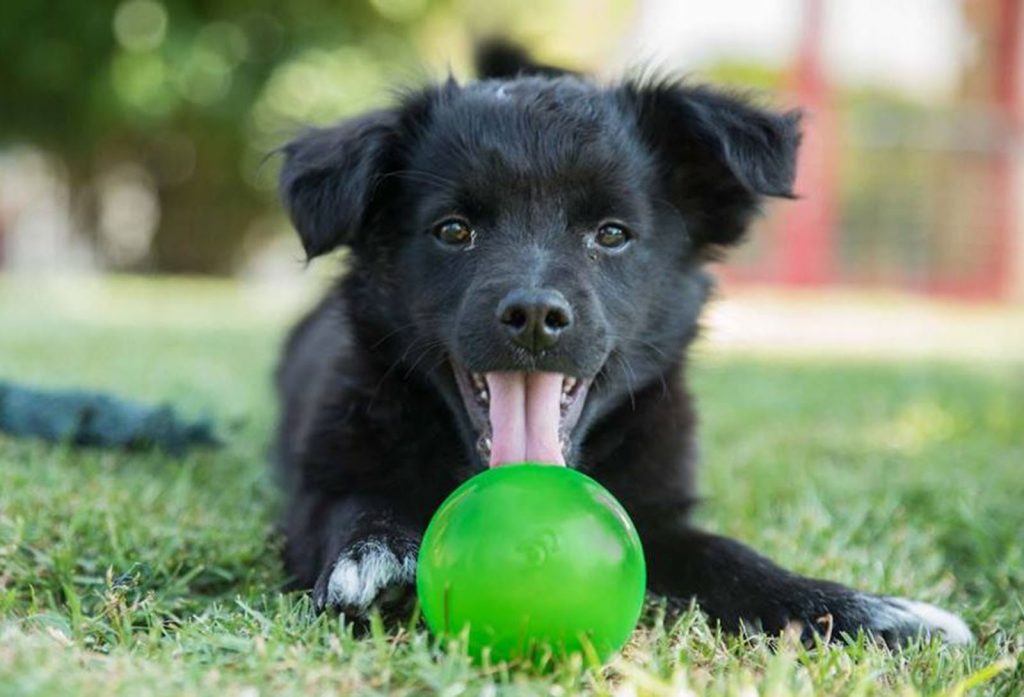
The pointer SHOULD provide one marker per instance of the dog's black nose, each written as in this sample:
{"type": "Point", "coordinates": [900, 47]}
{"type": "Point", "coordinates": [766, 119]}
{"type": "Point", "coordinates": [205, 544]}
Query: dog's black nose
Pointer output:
{"type": "Point", "coordinates": [535, 318]}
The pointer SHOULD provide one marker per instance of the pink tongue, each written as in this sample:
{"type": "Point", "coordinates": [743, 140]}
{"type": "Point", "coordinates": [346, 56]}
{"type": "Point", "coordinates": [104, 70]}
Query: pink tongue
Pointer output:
{"type": "Point", "coordinates": [525, 411]}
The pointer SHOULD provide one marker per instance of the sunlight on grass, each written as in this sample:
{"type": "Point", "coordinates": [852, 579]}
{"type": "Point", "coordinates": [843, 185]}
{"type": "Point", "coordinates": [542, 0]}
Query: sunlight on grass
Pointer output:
{"type": "Point", "coordinates": [914, 427]}
{"type": "Point", "coordinates": [137, 302]}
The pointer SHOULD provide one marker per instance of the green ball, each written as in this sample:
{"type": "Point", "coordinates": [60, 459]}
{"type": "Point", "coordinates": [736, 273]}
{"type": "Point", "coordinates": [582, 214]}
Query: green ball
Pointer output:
{"type": "Point", "coordinates": [527, 556]}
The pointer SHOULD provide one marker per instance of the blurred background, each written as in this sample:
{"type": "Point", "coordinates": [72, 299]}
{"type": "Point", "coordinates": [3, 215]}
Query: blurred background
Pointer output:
{"type": "Point", "coordinates": [137, 136]}
{"type": "Point", "coordinates": [860, 374]}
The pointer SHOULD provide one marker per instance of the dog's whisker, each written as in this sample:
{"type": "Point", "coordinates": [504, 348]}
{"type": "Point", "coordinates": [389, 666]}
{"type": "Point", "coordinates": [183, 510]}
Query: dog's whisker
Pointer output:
{"type": "Point", "coordinates": [391, 368]}
{"type": "Point", "coordinates": [639, 342]}
{"type": "Point", "coordinates": [420, 318]}
{"type": "Point", "coordinates": [423, 354]}
{"type": "Point", "coordinates": [628, 373]}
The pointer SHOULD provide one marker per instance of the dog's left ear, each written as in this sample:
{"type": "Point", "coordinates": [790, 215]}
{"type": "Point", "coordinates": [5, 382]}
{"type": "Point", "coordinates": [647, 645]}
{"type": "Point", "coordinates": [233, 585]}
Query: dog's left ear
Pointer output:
{"type": "Point", "coordinates": [329, 178]}
{"type": "Point", "coordinates": [718, 156]}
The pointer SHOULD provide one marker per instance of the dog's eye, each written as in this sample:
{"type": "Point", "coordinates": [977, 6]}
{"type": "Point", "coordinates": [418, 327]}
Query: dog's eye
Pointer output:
{"type": "Point", "coordinates": [612, 236]}
{"type": "Point", "coordinates": [454, 232]}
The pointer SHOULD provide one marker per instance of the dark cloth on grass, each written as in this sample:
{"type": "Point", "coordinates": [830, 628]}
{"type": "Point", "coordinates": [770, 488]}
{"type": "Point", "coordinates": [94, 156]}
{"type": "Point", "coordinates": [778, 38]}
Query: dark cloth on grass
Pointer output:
{"type": "Point", "coordinates": [90, 418]}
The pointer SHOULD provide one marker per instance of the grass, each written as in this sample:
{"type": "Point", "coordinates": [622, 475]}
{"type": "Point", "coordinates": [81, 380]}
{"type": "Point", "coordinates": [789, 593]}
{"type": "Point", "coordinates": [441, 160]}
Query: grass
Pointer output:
{"type": "Point", "coordinates": [140, 574]}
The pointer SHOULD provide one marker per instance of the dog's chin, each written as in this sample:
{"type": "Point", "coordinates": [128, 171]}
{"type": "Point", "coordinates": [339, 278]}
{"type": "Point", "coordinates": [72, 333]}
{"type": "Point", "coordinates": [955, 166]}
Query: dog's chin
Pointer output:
{"type": "Point", "coordinates": [521, 416]}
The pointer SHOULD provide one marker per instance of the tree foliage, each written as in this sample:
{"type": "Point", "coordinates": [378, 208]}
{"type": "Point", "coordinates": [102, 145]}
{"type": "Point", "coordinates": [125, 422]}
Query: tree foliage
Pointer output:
{"type": "Point", "coordinates": [192, 93]}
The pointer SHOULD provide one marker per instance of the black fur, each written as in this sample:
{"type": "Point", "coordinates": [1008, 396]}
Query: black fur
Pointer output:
{"type": "Point", "coordinates": [374, 433]}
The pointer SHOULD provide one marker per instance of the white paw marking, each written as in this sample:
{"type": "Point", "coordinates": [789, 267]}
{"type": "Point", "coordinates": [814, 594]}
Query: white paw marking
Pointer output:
{"type": "Point", "coordinates": [360, 575]}
{"type": "Point", "coordinates": [912, 616]}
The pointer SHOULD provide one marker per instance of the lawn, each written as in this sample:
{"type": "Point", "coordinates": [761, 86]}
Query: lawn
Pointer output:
{"type": "Point", "coordinates": [139, 574]}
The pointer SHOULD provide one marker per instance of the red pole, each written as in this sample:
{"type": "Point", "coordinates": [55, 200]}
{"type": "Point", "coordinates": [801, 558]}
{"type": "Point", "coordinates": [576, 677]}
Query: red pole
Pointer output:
{"type": "Point", "coordinates": [999, 260]}
{"type": "Point", "coordinates": [806, 251]}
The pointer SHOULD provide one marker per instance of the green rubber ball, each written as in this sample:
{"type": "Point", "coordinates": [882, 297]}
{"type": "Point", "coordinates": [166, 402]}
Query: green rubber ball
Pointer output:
{"type": "Point", "coordinates": [528, 556]}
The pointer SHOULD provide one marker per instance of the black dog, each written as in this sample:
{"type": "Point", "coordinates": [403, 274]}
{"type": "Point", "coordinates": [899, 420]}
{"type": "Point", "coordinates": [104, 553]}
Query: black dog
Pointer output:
{"type": "Point", "coordinates": [526, 272]}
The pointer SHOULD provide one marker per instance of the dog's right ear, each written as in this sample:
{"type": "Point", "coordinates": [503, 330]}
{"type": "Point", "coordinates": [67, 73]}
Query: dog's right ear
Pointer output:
{"type": "Point", "coordinates": [329, 178]}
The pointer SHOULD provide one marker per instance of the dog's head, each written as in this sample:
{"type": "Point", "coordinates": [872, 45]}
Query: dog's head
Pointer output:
{"type": "Point", "coordinates": [532, 244]}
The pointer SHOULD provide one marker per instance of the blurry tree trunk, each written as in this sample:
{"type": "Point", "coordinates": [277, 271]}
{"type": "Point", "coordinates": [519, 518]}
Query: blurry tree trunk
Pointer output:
{"type": "Point", "coordinates": [201, 229]}
{"type": "Point", "coordinates": [205, 218]}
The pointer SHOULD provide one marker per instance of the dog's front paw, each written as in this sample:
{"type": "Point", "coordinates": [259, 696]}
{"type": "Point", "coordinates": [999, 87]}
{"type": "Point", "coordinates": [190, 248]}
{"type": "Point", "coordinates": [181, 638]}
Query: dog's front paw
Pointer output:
{"type": "Point", "coordinates": [370, 572]}
{"type": "Point", "coordinates": [899, 620]}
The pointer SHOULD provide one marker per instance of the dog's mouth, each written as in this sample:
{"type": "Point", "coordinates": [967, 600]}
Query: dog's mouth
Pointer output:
{"type": "Point", "coordinates": [522, 416]}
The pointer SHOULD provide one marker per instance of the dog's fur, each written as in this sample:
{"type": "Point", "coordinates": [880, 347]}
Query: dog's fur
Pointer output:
{"type": "Point", "coordinates": [375, 430]}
